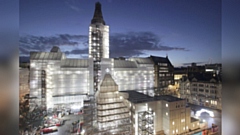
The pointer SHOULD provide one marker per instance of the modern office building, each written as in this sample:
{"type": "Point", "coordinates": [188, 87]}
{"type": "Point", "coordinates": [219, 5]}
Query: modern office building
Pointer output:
{"type": "Point", "coordinates": [164, 74]}
{"type": "Point", "coordinates": [202, 89]}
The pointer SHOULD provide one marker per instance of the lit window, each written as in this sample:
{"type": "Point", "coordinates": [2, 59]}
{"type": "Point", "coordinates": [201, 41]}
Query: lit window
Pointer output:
{"type": "Point", "coordinates": [166, 113]}
{"type": "Point", "coordinates": [182, 120]}
{"type": "Point", "coordinates": [176, 130]}
{"type": "Point", "coordinates": [173, 123]}
{"type": "Point", "coordinates": [166, 105]}
{"type": "Point", "coordinates": [173, 132]}
{"type": "Point", "coordinates": [183, 128]}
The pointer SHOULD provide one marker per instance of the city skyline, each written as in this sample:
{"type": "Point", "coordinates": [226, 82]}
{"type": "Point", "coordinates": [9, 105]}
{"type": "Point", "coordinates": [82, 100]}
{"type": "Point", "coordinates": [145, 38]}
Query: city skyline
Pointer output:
{"type": "Point", "coordinates": [186, 31]}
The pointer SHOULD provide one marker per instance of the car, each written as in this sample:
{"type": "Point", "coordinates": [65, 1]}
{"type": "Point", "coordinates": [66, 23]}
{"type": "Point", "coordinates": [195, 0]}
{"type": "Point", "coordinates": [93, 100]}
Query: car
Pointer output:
{"type": "Point", "coordinates": [49, 129]}
{"type": "Point", "coordinates": [58, 124]}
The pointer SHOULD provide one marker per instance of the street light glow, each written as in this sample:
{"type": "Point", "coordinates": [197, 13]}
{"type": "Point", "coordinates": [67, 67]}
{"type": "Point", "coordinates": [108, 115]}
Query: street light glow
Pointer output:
{"type": "Point", "coordinates": [198, 113]}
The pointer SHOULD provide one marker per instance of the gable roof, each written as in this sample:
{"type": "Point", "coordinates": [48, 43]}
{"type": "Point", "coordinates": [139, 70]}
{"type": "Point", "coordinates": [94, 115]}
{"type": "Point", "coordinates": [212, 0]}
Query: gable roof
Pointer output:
{"type": "Point", "coordinates": [203, 77]}
{"type": "Point", "coordinates": [157, 59]}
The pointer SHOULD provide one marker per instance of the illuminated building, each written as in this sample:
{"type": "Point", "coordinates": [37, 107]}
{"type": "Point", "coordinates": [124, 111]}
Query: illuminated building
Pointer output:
{"type": "Point", "coordinates": [112, 110]}
{"type": "Point", "coordinates": [98, 42]}
{"type": "Point", "coordinates": [202, 89]}
{"type": "Point", "coordinates": [160, 115]}
{"type": "Point", "coordinates": [164, 74]}
{"type": "Point", "coordinates": [56, 81]}
{"type": "Point", "coordinates": [130, 74]}
{"type": "Point", "coordinates": [117, 95]}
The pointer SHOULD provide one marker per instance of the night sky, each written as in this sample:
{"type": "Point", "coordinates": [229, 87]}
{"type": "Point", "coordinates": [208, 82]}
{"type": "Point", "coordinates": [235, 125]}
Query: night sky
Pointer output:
{"type": "Point", "coordinates": [185, 30]}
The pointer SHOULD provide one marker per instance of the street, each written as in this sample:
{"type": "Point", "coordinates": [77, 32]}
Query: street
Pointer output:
{"type": "Point", "coordinates": [217, 119]}
{"type": "Point", "coordinates": [65, 128]}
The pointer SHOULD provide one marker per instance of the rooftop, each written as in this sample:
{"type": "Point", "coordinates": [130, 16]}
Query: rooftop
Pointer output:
{"type": "Point", "coordinates": [202, 77]}
{"type": "Point", "coordinates": [142, 60]}
{"type": "Point", "coordinates": [137, 97]}
{"type": "Point", "coordinates": [98, 17]}
{"type": "Point", "coordinates": [157, 59]}
{"type": "Point", "coordinates": [124, 64]}
{"type": "Point", "coordinates": [74, 63]}
{"type": "Point", "coordinates": [46, 55]}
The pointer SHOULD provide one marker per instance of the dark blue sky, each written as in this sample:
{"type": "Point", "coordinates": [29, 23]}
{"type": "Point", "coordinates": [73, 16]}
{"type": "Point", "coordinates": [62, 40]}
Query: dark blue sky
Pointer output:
{"type": "Point", "coordinates": [186, 30]}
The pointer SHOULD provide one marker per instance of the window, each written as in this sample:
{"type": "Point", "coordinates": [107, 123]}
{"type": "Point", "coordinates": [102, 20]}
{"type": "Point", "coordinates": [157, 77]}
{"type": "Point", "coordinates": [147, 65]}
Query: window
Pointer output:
{"type": "Point", "coordinates": [182, 120]}
{"type": "Point", "coordinates": [195, 89]}
{"type": "Point", "coordinates": [166, 113]}
{"type": "Point", "coordinates": [201, 90]}
{"type": "Point", "coordinates": [173, 123]}
{"type": "Point", "coordinates": [194, 84]}
{"type": "Point", "coordinates": [212, 86]}
{"type": "Point", "coordinates": [212, 91]}
{"type": "Point", "coordinates": [166, 105]}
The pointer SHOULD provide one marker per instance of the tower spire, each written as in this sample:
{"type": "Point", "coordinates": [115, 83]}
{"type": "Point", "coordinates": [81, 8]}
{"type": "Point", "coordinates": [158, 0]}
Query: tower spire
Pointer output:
{"type": "Point", "coordinates": [97, 17]}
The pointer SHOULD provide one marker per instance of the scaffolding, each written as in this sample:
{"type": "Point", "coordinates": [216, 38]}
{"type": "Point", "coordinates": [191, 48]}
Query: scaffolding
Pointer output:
{"type": "Point", "coordinates": [146, 123]}
{"type": "Point", "coordinates": [112, 110]}
{"type": "Point", "coordinates": [89, 116]}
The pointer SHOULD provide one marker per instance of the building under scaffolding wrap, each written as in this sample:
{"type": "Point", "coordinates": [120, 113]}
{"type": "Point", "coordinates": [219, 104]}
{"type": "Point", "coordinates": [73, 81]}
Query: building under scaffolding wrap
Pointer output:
{"type": "Point", "coordinates": [90, 116]}
{"type": "Point", "coordinates": [54, 80]}
{"type": "Point", "coordinates": [112, 109]}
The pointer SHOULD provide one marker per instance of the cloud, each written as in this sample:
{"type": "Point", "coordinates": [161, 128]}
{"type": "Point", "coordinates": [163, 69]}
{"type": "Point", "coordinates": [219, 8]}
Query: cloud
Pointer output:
{"type": "Point", "coordinates": [73, 4]}
{"type": "Point", "coordinates": [42, 43]}
{"type": "Point", "coordinates": [135, 43]}
{"type": "Point", "coordinates": [77, 51]}
{"type": "Point", "coordinates": [128, 44]}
